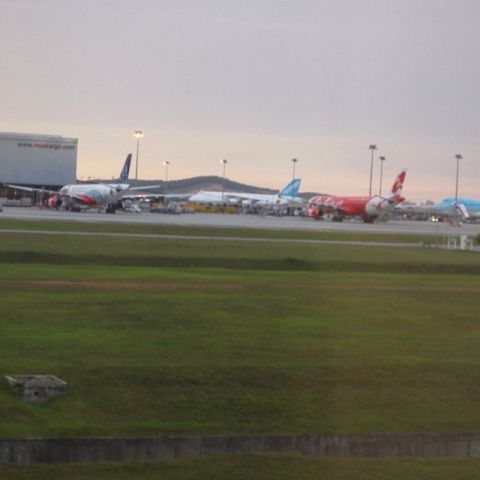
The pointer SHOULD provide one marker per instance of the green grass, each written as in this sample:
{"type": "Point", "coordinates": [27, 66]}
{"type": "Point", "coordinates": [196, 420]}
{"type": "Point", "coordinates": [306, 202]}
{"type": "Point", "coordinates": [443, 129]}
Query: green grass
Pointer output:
{"type": "Point", "coordinates": [257, 468]}
{"type": "Point", "coordinates": [230, 254]}
{"type": "Point", "coordinates": [193, 337]}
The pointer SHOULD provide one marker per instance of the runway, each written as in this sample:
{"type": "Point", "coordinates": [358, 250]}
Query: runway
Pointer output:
{"type": "Point", "coordinates": [243, 221]}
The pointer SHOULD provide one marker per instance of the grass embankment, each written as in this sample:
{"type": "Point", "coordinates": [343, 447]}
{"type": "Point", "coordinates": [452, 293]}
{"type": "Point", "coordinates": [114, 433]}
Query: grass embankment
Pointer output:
{"type": "Point", "coordinates": [257, 468]}
{"type": "Point", "coordinates": [160, 336]}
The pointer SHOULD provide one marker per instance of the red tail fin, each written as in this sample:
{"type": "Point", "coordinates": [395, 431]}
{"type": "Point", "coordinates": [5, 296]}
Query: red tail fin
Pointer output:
{"type": "Point", "coordinates": [398, 184]}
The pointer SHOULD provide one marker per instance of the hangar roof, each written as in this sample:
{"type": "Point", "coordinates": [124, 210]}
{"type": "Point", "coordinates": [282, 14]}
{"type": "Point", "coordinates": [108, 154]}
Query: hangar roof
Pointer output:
{"type": "Point", "coordinates": [35, 137]}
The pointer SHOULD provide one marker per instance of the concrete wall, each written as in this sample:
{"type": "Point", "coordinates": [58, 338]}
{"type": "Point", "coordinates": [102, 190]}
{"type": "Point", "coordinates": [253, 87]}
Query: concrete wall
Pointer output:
{"type": "Point", "coordinates": [88, 450]}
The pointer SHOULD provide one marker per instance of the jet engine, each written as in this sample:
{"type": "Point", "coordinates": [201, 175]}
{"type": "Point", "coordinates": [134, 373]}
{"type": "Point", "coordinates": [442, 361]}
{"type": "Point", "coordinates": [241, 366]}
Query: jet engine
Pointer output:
{"type": "Point", "coordinates": [376, 206]}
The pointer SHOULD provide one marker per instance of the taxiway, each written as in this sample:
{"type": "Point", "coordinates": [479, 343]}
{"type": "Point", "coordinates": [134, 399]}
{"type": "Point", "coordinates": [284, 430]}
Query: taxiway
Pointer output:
{"type": "Point", "coordinates": [243, 221]}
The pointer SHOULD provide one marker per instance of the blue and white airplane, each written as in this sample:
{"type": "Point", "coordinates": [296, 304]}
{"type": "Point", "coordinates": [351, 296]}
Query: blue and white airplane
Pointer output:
{"type": "Point", "coordinates": [466, 208]}
{"type": "Point", "coordinates": [287, 195]}
{"type": "Point", "coordinates": [460, 209]}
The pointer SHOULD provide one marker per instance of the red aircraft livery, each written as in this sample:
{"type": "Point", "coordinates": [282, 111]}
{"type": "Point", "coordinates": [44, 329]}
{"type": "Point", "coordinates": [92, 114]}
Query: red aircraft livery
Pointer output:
{"type": "Point", "coordinates": [369, 208]}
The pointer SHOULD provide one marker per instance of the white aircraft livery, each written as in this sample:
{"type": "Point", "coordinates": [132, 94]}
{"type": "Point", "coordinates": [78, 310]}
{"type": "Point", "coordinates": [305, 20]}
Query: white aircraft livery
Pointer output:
{"type": "Point", "coordinates": [105, 196]}
{"type": "Point", "coordinates": [289, 194]}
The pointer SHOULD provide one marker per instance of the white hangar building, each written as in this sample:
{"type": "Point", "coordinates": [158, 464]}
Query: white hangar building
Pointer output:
{"type": "Point", "coordinates": [38, 160]}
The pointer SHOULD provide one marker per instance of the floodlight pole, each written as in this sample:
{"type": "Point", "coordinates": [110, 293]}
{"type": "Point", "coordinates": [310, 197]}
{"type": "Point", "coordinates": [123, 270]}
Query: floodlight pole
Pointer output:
{"type": "Point", "coordinates": [166, 163]}
{"type": "Point", "coordinates": [294, 161]}
{"type": "Point", "coordinates": [223, 162]}
{"type": "Point", "coordinates": [138, 134]}
{"type": "Point", "coordinates": [458, 157]}
{"type": "Point", "coordinates": [372, 148]}
{"type": "Point", "coordinates": [382, 159]}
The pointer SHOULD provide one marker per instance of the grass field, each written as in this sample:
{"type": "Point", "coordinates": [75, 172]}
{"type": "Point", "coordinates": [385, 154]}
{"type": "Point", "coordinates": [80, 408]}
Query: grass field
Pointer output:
{"type": "Point", "coordinates": [192, 336]}
{"type": "Point", "coordinates": [257, 468]}
{"type": "Point", "coordinates": [209, 336]}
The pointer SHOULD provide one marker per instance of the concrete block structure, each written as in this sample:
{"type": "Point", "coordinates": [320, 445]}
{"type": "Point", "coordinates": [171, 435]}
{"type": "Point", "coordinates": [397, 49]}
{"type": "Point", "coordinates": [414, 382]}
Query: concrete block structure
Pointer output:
{"type": "Point", "coordinates": [36, 389]}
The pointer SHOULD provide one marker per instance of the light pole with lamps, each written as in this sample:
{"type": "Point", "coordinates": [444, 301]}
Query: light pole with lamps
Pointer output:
{"type": "Point", "coordinates": [458, 157]}
{"type": "Point", "coordinates": [294, 161]}
{"type": "Point", "coordinates": [138, 134]}
{"type": "Point", "coordinates": [223, 162]}
{"type": "Point", "coordinates": [166, 163]}
{"type": "Point", "coordinates": [382, 159]}
{"type": "Point", "coordinates": [372, 148]}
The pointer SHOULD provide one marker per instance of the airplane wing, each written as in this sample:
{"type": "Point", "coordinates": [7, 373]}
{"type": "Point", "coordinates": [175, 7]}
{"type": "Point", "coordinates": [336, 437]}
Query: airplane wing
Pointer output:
{"type": "Point", "coordinates": [252, 198]}
{"type": "Point", "coordinates": [157, 196]}
{"type": "Point", "coordinates": [79, 198]}
{"type": "Point", "coordinates": [31, 189]}
{"type": "Point", "coordinates": [206, 196]}
{"type": "Point", "coordinates": [146, 187]}
{"type": "Point", "coordinates": [265, 199]}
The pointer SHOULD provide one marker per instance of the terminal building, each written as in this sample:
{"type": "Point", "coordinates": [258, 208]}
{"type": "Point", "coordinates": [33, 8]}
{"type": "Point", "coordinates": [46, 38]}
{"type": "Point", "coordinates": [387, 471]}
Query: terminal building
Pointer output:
{"type": "Point", "coordinates": [40, 161]}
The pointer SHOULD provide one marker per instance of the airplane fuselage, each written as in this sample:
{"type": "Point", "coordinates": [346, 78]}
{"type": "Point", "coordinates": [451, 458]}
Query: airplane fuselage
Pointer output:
{"type": "Point", "coordinates": [93, 195]}
{"type": "Point", "coordinates": [366, 207]}
{"type": "Point", "coordinates": [285, 196]}
{"type": "Point", "coordinates": [235, 198]}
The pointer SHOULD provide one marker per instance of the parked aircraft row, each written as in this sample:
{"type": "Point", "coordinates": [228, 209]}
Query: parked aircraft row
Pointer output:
{"type": "Point", "coordinates": [113, 196]}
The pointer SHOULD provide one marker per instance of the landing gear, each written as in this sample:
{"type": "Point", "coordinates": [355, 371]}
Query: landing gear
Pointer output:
{"type": "Point", "coordinates": [110, 208]}
{"type": "Point", "coordinates": [368, 219]}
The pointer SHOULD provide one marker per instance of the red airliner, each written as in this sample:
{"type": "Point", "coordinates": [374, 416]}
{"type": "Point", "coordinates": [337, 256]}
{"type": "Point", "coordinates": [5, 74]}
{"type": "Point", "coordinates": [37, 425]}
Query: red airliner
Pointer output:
{"type": "Point", "coordinates": [369, 208]}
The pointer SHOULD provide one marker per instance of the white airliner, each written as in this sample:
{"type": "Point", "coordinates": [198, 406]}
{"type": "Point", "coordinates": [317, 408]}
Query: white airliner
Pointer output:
{"type": "Point", "coordinates": [288, 195]}
{"type": "Point", "coordinates": [105, 196]}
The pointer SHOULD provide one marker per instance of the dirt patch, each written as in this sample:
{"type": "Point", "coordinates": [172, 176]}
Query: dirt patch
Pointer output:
{"type": "Point", "coordinates": [19, 415]}
{"type": "Point", "coordinates": [391, 288]}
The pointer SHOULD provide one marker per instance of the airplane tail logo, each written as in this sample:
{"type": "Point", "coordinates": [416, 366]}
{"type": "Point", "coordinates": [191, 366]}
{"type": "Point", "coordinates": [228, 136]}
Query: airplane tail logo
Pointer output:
{"type": "Point", "coordinates": [125, 170]}
{"type": "Point", "coordinates": [291, 189]}
{"type": "Point", "coordinates": [398, 184]}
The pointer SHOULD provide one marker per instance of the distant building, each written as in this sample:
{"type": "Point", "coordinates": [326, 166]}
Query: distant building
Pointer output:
{"type": "Point", "coordinates": [48, 161]}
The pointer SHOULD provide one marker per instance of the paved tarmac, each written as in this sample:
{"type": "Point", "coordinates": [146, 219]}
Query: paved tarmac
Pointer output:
{"type": "Point", "coordinates": [243, 221]}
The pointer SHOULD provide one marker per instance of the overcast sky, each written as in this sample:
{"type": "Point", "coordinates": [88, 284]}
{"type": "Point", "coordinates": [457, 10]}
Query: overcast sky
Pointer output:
{"type": "Point", "coordinates": [257, 82]}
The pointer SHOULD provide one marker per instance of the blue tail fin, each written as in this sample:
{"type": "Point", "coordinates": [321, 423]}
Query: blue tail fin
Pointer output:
{"type": "Point", "coordinates": [291, 189]}
{"type": "Point", "coordinates": [126, 169]}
